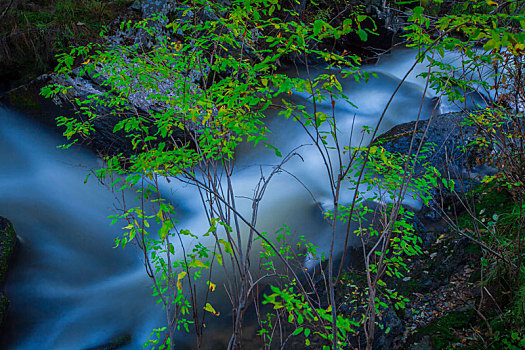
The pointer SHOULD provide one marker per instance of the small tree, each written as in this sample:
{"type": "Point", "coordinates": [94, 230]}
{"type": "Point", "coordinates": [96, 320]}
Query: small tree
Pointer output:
{"type": "Point", "coordinates": [213, 80]}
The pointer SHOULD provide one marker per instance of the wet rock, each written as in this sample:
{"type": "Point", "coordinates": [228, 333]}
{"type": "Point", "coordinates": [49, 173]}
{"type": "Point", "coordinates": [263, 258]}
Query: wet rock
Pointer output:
{"type": "Point", "coordinates": [4, 305]}
{"type": "Point", "coordinates": [445, 132]}
{"type": "Point", "coordinates": [392, 329]}
{"type": "Point", "coordinates": [8, 244]}
{"type": "Point", "coordinates": [116, 343]}
{"type": "Point", "coordinates": [447, 138]}
{"type": "Point", "coordinates": [27, 100]}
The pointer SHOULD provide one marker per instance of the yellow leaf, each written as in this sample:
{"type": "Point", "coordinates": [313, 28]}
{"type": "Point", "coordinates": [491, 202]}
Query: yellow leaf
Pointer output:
{"type": "Point", "coordinates": [277, 306]}
{"type": "Point", "coordinates": [198, 263]}
{"type": "Point", "coordinates": [492, 3]}
{"type": "Point", "coordinates": [227, 246]}
{"type": "Point", "coordinates": [179, 277]}
{"type": "Point", "coordinates": [212, 286]}
{"type": "Point", "coordinates": [194, 116]}
{"type": "Point", "coordinates": [308, 87]}
{"type": "Point", "coordinates": [329, 309]}
{"type": "Point", "coordinates": [210, 309]}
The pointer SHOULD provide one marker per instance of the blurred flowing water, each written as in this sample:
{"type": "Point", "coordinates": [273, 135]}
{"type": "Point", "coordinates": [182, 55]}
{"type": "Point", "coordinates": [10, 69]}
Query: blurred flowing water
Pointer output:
{"type": "Point", "coordinates": [71, 290]}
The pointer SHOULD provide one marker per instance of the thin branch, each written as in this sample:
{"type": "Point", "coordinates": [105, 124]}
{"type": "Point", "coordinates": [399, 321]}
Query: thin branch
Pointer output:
{"type": "Point", "coordinates": [6, 9]}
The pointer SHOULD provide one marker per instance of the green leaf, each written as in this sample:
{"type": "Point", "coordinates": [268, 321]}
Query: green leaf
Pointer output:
{"type": "Point", "coordinates": [318, 26]}
{"type": "Point", "coordinates": [227, 246]}
{"type": "Point", "coordinates": [362, 34]}
{"type": "Point", "coordinates": [490, 45]}
{"type": "Point", "coordinates": [198, 263]}
{"type": "Point", "coordinates": [297, 331]}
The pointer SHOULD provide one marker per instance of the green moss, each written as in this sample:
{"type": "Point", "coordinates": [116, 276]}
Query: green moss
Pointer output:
{"type": "Point", "coordinates": [351, 276]}
{"type": "Point", "coordinates": [21, 99]}
{"type": "Point", "coordinates": [399, 132]}
{"type": "Point", "coordinates": [432, 8]}
{"type": "Point", "coordinates": [7, 247]}
{"type": "Point", "coordinates": [441, 331]}
{"type": "Point", "coordinates": [489, 200]}
{"type": "Point", "coordinates": [35, 31]}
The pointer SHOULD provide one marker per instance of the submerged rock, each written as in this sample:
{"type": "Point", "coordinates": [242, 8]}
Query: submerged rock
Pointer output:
{"type": "Point", "coordinates": [8, 243]}
{"type": "Point", "coordinates": [115, 343]}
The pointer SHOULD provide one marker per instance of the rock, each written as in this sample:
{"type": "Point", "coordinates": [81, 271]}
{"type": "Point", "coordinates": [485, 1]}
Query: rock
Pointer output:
{"type": "Point", "coordinates": [445, 131]}
{"type": "Point", "coordinates": [26, 99]}
{"type": "Point", "coordinates": [422, 344]}
{"type": "Point", "coordinates": [393, 329]}
{"type": "Point", "coordinates": [449, 155]}
{"type": "Point", "coordinates": [115, 343]}
{"type": "Point", "coordinates": [4, 305]}
{"type": "Point", "coordinates": [8, 244]}
{"type": "Point", "coordinates": [102, 140]}
{"type": "Point", "coordinates": [384, 22]}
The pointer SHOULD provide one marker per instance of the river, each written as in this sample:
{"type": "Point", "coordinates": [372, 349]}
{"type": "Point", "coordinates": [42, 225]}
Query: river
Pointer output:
{"type": "Point", "coordinates": [70, 289]}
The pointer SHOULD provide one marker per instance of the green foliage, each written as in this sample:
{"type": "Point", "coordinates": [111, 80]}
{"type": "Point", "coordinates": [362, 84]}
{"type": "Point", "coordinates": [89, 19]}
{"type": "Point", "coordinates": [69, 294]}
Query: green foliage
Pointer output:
{"type": "Point", "coordinates": [212, 81]}
{"type": "Point", "coordinates": [502, 134]}
{"type": "Point", "coordinates": [34, 31]}
{"type": "Point", "coordinates": [307, 320]}
{"type": "Point", "coordinates": [488, 37]}
{"type": "Point", "coordinates": [443, 331]}
{"type": "Point", "coordinates": [213, 85]}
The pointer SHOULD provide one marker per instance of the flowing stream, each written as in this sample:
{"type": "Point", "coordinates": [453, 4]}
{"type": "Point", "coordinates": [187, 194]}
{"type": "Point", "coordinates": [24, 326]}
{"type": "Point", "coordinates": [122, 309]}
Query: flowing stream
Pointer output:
{"type": "Point", "coordinates": [70, 289]}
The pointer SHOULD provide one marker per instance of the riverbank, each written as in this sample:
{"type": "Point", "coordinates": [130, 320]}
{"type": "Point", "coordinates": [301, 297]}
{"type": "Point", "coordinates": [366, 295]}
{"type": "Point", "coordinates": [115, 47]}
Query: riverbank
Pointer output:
{"type": "Point", "coordinates": [453, 296]}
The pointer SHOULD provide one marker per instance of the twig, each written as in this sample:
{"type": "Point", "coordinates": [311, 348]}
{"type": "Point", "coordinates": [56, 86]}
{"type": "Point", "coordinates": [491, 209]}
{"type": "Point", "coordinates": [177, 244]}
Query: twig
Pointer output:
{"type": "Point", "coordinates": [6, 9]}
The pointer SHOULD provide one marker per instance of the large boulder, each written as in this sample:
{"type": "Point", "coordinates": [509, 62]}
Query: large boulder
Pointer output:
{"type": "Point", "coordinates": [8, 244]}
{"type": "Point", "coordinates": [449, 154]}
{"type": "Point", "coordinates": [446, 132]}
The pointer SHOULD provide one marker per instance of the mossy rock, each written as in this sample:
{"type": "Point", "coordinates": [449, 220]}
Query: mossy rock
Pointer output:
{"type": "Point", "coordinates": [4, 305]}
{"type": "Point", "coordinates": [7, 246]}
{"type": "Point", "coordinates": [115, 343]}
{"type": "Point", "coordinates": [24, 98]}
{"type": "Point", "coordinates": [441, 331]}
{"type": "Point", "coordinates": [8, 243]}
